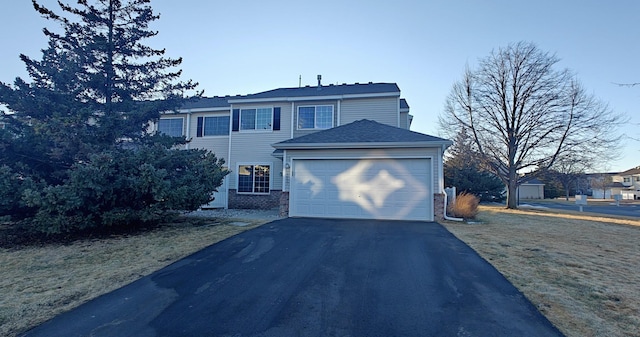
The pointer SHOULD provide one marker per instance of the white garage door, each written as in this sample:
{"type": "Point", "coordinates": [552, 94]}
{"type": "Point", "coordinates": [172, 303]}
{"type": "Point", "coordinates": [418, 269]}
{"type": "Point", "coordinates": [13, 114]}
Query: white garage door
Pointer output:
{"type": "Point", "coordinates": [397, 189]}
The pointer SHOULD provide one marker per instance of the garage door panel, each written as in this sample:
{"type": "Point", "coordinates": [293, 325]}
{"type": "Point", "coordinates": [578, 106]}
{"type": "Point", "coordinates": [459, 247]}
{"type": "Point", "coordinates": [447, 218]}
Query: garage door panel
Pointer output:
{"type": "Point", "coordinates": [362, 188]}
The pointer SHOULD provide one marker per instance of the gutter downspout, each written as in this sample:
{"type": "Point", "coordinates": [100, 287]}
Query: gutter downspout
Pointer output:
{"type": "Point", "coordinates": [446, 217]}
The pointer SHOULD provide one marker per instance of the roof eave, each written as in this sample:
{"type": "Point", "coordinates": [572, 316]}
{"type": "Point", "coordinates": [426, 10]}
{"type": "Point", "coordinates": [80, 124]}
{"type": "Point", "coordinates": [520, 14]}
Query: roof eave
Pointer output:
{"type": "Point", "coordinates": [362, 145]}
{"type": "Point", "coordinates": [312, 98]}
{"type": "Point", "coordinates": [212, 109]}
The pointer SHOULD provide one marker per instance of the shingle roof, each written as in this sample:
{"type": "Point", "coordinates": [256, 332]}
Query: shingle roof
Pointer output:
{"type": "Point", "coordinates": [327, 90]}
{"type": "Point", "coordinates": [616, 184]}
{"type": "Point", "coordinates": [362, 131]}
{"type": "Point", "coordinates": [208, 102]}
{"type": "Point", "coordinates": [635, 170]}
{"type": "Point", "coordinates": [534, 181]}
{"type": "Point", "coordinates": [403, 104]}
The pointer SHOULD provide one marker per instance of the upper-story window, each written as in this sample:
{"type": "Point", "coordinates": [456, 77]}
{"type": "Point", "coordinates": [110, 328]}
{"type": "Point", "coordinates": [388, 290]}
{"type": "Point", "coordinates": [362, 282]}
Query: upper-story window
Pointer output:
{"type": "Point", "coordinates": [636, 178]}
{"type": "Point", "coordinates": [315, 117]}
{"type": "Point", "coordinates": [627, 179]}
{"type": "Point", "coordinates": [256, 119]}
{"type": "Point", "coordinates": [216, 126]}
{"type": "Point", "coordinates": [171, 126]}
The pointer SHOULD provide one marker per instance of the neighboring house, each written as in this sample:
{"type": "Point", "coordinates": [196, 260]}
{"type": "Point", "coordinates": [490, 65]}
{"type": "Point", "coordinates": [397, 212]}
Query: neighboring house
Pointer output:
{"type": "Point", "coordinates": [532, 189]}
{"type": "Point", "coordinates": [630, 181]}
{"type": "Point", "coordinates": [606, 185]}
{"type": "Point", "coordinates": [341, 151]}
{"type": "Point", "coordinates": [607, 191]}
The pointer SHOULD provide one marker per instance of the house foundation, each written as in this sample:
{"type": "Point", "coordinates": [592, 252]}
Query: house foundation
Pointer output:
{"type": "Point", "coordinates": [284, 205]}
{"type": "Point", "coordinates": [438, 206]}
{"type": "Point", "coordinates": [252, 201]}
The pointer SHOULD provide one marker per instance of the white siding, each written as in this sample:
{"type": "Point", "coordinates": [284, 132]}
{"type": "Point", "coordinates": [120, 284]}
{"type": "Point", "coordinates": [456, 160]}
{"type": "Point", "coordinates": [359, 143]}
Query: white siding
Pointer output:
{"type": "Point", "coordinates": [527, 191]}
{"type": "Point", "coordinates": [404, 120]}
{"type": "Point", "coordinates": [255, 147]}
{"type": "Point", "coordinates": [382, 110]}
{"type": "Point", "coordinates": [216, 144]}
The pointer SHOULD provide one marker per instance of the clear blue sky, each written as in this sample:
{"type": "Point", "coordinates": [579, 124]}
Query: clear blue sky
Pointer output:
{"type": "Point", "coordinates": [248, 46]}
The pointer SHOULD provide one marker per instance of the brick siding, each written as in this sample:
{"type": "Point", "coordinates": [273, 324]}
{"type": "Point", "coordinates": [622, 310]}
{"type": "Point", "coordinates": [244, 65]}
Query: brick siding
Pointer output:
{"type": "Point", "coordinates": [284, 205]}
{"type": "Point", "coordinates": [438, 206]}
{"type": "Point", "coordinates": [250, 201]}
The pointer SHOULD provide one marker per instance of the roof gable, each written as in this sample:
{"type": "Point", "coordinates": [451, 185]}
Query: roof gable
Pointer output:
{"type": "Point", "coordinates": [363, 132]}
{"type": "Point", "coordinates": [534, 181]}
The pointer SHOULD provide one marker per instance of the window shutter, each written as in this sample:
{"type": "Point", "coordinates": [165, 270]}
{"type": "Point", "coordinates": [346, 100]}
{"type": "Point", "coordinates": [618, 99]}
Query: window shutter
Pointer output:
{"type": "Point", "coordinates": [200, 126]}
{"type": "Point", "coordinates": [236, 120]}
{"type": "Point", "coordinates": [276, 118]}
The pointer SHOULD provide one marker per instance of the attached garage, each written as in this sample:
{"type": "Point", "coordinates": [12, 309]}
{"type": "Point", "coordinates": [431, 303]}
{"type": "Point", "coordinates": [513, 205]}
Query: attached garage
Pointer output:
{"type": "Point", "coordinates": [396, 189]}
{"type": "Point", "coordinates": [363, 170]}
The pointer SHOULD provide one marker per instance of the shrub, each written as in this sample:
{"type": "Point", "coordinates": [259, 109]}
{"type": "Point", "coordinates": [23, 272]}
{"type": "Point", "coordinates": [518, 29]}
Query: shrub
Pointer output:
{"type": "Point", "coordinates": [125, 188]}
{"type": "Point", "coordinates": [12, 188]}
{"type": "Point", "coordinates": [465, 206]}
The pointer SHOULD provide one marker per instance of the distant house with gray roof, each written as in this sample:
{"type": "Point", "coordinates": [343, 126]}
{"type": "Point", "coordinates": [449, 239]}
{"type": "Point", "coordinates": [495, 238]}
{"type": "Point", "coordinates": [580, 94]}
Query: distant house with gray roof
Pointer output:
{"type": "Point", "coordinates": [338, 151]}
{"type": "Point", "coordinates": [626, 184]}
{"type": "Point", "coordinates": [531, 189]}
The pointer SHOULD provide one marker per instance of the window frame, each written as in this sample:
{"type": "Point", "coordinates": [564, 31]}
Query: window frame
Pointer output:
{"type": "Point", "coordinates": [256, 120]}
{"type": "Point", "coordinates": [204, 126]}
{"type": "Point", "coordinates": [315, 116]}
{"type": "Point", "coordinates": [253, 182]}
{"type": "Point", "coordinates": [169, 119]}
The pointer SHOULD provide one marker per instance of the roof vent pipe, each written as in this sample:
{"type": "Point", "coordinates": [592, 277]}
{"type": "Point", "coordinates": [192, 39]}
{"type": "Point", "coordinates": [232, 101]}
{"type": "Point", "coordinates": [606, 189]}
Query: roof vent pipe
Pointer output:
{"type": "Point", "coordinates": [319, 81]}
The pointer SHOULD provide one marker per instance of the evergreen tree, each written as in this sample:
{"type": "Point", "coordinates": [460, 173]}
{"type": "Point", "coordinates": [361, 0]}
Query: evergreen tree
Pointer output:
{"type": "Point", "coordinates": [96, 85]}
{"type": "Point", "coordinates": [463, 171]}
{"type": "Point", "coordinates": [91, 97]}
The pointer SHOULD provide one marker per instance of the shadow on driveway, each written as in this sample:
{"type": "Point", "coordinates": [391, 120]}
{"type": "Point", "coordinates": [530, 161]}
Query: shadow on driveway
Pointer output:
{"type": "Point", "coordinates": [316, 277]}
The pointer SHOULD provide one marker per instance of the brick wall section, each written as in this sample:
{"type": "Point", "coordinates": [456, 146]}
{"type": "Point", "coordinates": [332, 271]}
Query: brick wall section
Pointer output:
{"type": "Point", "coordinates": [250, 201]}
{"type": "Point", "coordinates": [438, 206]}
{"type": "Point", "coordinates": [284, 204]}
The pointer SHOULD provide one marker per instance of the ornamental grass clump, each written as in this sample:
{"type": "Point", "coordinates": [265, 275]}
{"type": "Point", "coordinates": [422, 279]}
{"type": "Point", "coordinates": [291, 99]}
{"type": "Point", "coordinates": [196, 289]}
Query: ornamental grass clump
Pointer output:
{"type": "Point", "coordinates": [465, 206]}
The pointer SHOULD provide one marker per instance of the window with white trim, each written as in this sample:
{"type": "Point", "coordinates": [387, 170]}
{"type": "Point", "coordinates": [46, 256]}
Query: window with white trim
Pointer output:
{"type": "Point", "coordinates": [254, 179]}
{"type": "Point", "coordinates": [627, 179]}
{"type": "Point", "coordinates": [171, 126]}
{"type": "Point", "coordinates": [315, 117]}
{"type": "Point", "coordinates": [256, 119]}
{"type": "Point", "coordinates": [216, 126]}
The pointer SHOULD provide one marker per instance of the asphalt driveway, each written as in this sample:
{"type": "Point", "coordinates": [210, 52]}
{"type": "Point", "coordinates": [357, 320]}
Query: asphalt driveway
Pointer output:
{"type": "Point", "coordinates": [315, 277]}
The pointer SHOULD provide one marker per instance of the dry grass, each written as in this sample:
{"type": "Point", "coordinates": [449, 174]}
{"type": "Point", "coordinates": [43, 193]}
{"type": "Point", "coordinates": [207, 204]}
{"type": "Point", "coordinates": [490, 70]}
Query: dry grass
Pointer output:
{"type": "Point", "coordinates": [40, 282]}
{"type": "Point", "coordinates": [581, 271]}
{"type": "Point", "coordinates": [465, 206]}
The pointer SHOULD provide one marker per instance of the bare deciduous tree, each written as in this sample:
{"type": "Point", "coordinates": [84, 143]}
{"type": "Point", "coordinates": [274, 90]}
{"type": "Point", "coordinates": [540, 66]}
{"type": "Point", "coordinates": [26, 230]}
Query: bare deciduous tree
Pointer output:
{"type": "Point", "coordinates": [524, 115]}
{"type": "Point", "coordinates": [568, 171]}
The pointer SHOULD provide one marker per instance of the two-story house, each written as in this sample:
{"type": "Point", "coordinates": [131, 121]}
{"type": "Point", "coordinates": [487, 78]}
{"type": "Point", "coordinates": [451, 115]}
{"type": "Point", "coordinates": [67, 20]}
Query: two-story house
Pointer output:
{"type": "Point", "coordinates": [339, 151]}
{"type": "Point", "coordinates": [607, 185]}
{"type": "Point", "coordinates": [630, 180]}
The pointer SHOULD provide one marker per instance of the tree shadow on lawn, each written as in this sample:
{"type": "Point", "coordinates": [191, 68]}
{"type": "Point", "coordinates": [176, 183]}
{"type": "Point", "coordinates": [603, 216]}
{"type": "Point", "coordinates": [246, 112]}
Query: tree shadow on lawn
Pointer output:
{"type": "Point", "coordinates": [15, 236]}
